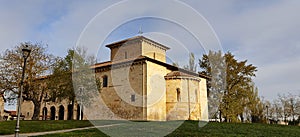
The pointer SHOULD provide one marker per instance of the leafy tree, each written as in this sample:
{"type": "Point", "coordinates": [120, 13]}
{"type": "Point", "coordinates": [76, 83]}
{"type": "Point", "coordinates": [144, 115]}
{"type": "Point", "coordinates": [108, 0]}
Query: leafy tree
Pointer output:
{"type": "Point", "coordinates": [232, 79]}
{"type": "Point", "coordinates": [192, 66]}
{"type": "Point", "coordinates": [38, 65]}
{"type": "Point", "coordinates": [254, 105]}
{"type": "Point", "coordinates": [68, 72]}
{"type": "Point", "coordinates": [213, 65]}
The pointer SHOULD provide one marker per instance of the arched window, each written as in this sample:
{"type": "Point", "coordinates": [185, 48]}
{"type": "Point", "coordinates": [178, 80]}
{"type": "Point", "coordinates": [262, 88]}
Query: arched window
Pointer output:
{"type": "Point", "coordinates": [52, 116]}
{"type": "Point", "coordinates": [105, 81]}
{"type": "Point", "coordinates": [70, 112]}
{"type": "Point", "coordinates": [61, 112]}
{"type": "Point", "coordinates": [178, 95]}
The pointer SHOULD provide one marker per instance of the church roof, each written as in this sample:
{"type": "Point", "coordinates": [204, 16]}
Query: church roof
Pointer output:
{"type": "Point", "coordinates": [177, 73]}
{"type": "Point", "coordinates": [174, 69]}
{"type": "Point", "coordinates": [136, 38]}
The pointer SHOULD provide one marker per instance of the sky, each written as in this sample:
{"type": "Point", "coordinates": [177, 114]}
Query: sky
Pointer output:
{"type": "Point", "coordinates": [263, 32]}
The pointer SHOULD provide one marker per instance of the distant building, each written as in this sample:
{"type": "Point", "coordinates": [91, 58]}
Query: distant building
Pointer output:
{"type": "Point", "coordinates": [138, 84]}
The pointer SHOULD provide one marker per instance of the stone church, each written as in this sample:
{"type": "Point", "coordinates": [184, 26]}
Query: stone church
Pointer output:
{"type": "Point", "coordinates": [138, 84]}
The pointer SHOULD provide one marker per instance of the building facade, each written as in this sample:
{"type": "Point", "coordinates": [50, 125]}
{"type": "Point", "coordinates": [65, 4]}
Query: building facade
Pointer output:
{"type": "Point", "coordinates": [137, 84]}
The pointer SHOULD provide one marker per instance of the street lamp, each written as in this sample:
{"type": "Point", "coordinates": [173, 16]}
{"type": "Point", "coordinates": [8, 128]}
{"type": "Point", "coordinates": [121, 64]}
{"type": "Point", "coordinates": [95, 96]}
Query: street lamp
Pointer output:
{"type": "Point", "coordinates": [45, 109]}
{"type": "Point", "coordinates": [81, 90]}
{"type": "Point", "coordinates": [25, 52]}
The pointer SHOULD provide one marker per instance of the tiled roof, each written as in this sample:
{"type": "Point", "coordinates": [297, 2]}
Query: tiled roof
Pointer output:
{"type": "Point", "coordinates": [178, 73]}
{"type": "Point", "coordinates": [118, 43]}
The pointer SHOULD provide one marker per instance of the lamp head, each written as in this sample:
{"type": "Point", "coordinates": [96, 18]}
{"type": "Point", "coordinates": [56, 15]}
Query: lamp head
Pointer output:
{"type": "Point", "coordinates": [26, 52]}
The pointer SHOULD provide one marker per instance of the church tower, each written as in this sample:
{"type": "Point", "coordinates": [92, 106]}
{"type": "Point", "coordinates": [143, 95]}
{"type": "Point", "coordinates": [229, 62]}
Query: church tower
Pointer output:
{"type": "Point", "coordinates": [135, 47]}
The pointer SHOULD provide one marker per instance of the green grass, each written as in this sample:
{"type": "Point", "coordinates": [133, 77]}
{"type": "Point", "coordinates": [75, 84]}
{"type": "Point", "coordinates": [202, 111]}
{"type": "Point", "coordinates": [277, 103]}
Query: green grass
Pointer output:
{"type": "Point", "coordinates": [188, 128]}
{"type": "Point", "coordinates": [8, 127]}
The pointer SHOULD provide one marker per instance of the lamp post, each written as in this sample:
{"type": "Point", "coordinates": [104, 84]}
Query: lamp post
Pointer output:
{"type": "Point", "coordinates": [44, 109]}
{"type": "Point", "coordinates": [25, 52]}
{"type": "Point", "coordinates": [80, 105]}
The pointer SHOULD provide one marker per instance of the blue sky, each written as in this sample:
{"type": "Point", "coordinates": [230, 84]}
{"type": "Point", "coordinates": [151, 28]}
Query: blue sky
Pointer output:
{"type": "Point", "coordinates": [266, 33]}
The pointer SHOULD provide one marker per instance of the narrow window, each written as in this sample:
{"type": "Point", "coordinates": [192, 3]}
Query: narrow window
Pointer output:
{"type": "Point", "coordinates": [178, 94]}
{"type": "Point", "coordinates": [132, 98]}
{"type": "Point", "coordinates": [154, 55]}
{"type": "Point", "coordinates": [105, 81]}
{"type": "Point", "coordinates": [125, 55]}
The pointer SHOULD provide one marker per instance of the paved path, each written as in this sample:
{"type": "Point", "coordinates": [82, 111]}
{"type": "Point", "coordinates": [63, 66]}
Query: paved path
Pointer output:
{"type": "Point", "coordinates": [57, 131]}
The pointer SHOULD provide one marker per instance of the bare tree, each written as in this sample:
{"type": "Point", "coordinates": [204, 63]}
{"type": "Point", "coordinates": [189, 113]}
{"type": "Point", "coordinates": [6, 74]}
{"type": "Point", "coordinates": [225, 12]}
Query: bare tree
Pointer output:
{"type": "Point", "coordinates": [38, 65]}
{"type": "Point", "coordinates": [277, 110]}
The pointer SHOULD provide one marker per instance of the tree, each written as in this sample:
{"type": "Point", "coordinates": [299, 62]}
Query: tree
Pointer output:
{"type": "Point", "coordinates": [254, 105]}
{"type": "Point", "coordinates": [68, 72]}
{"type": "Point", "coordinates": [233, 79]}
{"type": "Point", "coordinates": [192, 66]}
{"type": "Point", "coordinates": [284, 106]}
{"type": "Point", "coordinates": [38, 65]}
{"type": "Point", "coordinates": [175, 64]}
{"type": "Point", "coordinates": [290, 107]}
{"type": "Point", "coordinates": [276, 110]}
{"type": "Point", "coordinates": [213, 65]}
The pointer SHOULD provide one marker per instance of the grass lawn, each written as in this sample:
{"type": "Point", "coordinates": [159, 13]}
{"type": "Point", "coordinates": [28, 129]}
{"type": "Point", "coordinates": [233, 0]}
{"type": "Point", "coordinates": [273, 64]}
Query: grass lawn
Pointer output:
{"type": "Point", "coordinates": [188, 128]}
{"type": "Point", "coordinates": [8, 127]}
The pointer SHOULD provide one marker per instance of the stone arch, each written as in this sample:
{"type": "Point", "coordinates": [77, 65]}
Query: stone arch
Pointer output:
{"type": "Point", "coordinates": [70, 112]}
{"type": "Point", "coordinates": [45, 111]}
{"type": "Point", "coordinates": [52, 114]}
{"type": "Point", "coordinates": [79, 117]}
{"type": "Point", "coordinates": [61, 112]}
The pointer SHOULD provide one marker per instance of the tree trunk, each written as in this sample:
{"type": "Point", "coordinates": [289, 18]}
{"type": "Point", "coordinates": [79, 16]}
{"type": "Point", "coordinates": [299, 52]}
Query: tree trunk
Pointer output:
{"type": "Point", "coordinates": [36, 111]}
{"type": "Point", "coordinates": [220, 116]}
{"type": "Point", "coordinates": [242, 118]}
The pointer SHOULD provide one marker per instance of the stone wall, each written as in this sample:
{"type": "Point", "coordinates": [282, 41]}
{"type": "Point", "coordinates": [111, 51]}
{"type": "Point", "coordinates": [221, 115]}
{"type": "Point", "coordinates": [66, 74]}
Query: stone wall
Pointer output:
{"type": "Point", "coordinates": [183, 96]}
{"type": "Point", "coordinates": [156, 52]}
{"type": "Point", "coordinates": [124, 92]}
{"type": "Point", "coordinates": [127, 50]}
{"type": "Point", "coordinates": [156, 92]}
{"type": "Point", "coordinates": [203, 100]}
